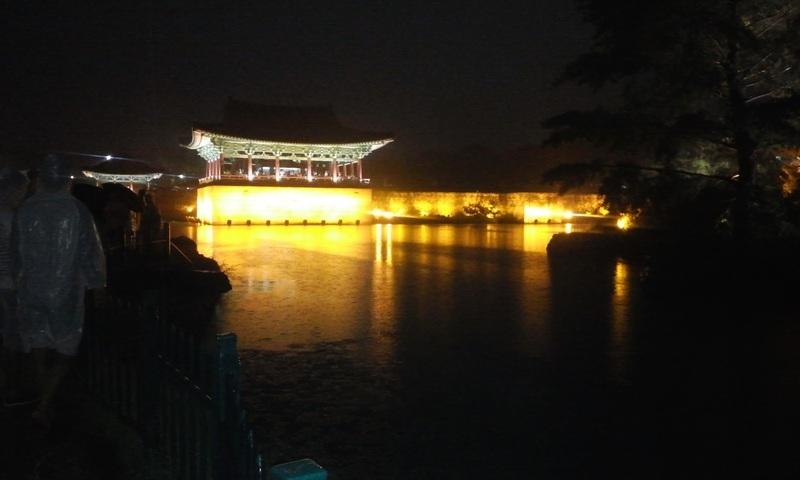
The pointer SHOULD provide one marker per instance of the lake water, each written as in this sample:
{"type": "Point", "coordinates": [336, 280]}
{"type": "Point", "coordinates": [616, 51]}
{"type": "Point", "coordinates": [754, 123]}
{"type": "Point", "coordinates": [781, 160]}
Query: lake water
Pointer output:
{"type": "Point", "coordinates": [422, 351]}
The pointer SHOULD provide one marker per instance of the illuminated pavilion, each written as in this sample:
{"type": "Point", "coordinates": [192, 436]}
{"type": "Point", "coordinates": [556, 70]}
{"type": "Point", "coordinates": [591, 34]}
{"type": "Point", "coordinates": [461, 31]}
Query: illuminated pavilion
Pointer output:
{"type": "Point", "coordinates": [278, 164]}
{"type": "Point", "coordinates": [123, 171]}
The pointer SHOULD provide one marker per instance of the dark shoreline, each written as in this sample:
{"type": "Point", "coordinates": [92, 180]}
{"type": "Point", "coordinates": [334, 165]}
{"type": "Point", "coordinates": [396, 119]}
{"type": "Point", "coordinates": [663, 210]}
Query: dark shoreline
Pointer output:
{"type": "Point", "coordinates": [720, 266]}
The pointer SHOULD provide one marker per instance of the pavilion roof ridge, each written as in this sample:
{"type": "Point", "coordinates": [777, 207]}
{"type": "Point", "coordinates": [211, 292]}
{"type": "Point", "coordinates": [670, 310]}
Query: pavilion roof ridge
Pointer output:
{"type": "Point", "coordinates": [288, 124]}
{"type": "Point", "coordinates": [218, 134]}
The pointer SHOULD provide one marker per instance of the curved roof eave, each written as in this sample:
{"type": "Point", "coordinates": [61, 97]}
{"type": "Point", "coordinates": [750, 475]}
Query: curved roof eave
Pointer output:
{"type": "Point", "coordinates": [210, 133]}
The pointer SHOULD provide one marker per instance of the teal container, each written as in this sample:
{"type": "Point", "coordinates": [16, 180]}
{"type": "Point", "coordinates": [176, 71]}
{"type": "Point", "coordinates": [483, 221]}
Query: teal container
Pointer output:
{"type": "Point", "coordinates": [305, 469]}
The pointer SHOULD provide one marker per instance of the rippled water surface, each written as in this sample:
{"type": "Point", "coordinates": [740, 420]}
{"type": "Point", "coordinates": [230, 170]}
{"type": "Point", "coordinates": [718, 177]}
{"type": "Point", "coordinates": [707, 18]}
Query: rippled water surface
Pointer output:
{"type": "Point", "coordinates": [297, 286]}
{"type": "Point", "coordinates": [464, 352]}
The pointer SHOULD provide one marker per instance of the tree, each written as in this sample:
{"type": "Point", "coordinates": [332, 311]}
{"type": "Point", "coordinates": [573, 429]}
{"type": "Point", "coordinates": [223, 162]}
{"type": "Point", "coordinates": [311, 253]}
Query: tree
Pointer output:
{"type": "Point", "coordinates": [712, 81]}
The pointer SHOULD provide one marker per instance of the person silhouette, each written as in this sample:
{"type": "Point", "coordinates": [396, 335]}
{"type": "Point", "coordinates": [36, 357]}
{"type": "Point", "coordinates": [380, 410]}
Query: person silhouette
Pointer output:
{"type": "Point", "coordinates": [56, 256]}
{"type": "Point", "coordinates": [150, 224]}
{"type": "Point", "coordinates": [12, 190]}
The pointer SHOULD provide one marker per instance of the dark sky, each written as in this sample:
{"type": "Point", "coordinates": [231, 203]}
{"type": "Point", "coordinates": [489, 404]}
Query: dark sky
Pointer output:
{"type": "Point", "coordinates": [131, 77]}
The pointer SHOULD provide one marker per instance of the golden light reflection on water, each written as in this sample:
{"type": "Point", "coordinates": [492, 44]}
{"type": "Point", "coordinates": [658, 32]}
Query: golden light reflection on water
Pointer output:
{"type": "Point", "coordinates": [383, 243]}
{"type": "Point", "coordinates": [335, 240]}
{"type": "Point", "coordinates": [383, 297]}
{"type": "Point", "coordinates": [620, 319]}
{"type": "Point", "coordinates": [536, 237]}
{"type": "Point", "coordinates": [297, 286]}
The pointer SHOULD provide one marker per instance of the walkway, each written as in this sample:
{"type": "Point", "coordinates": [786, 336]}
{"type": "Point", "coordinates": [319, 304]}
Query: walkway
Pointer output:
{"type": "Point", "coordinates": [87, 441]}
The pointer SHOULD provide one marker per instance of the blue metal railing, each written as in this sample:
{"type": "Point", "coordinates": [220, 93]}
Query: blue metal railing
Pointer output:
{"type": "Point", "coordinates": [180, 391]}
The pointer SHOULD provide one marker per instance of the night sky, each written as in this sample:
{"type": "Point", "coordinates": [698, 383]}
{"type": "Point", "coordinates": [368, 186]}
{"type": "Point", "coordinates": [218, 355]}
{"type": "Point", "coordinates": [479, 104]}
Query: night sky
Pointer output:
{"type": "Point", "coordinates": [129, 78]}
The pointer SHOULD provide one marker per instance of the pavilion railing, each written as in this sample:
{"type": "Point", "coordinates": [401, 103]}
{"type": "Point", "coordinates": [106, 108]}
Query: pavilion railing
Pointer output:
{"type": "Point", "coordinates": [287, 180]}
{"type": "Point", "coordinates": [182, 393]}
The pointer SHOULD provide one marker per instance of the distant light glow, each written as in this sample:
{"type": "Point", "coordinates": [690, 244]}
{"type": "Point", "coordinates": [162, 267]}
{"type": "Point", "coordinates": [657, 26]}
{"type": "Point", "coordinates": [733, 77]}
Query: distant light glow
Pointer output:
{"type": "Point", "coordinates": [377, 213]}
{"type": "Point", "coordinates": [121, 178]}
{"type": "Point", "coordinates": [181, 176]}
{"type": "Point", "coordinates": [537, 214]}
{"type": "Point", "coordinates": [216, 204]}
{"type": "Point", "coordinates": [568, 228]}
{"type": "Point", "coordinates": [545, 214]}
{"type": "Point", "coordinates": [624, 222]}
{"type": "Point", "coordinates": [109, 157]}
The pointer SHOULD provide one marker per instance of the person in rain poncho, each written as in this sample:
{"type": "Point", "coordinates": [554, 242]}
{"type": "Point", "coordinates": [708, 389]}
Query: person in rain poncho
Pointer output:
{"type": "Point", "coordinates": [57, 256]}
{"type": "Point", "coordinates": [12, 189]}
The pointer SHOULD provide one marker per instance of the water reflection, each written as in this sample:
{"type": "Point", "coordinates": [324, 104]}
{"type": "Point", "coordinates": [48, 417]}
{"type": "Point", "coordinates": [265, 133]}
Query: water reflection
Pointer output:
{"type": "Point", "coordinates": [455, 349]}
{"type": "Point", "coordinates": [536, 237]}
{"type": "Point", "coordinates": [383, 243]}
{"type": "Point", "coordinates": [619, 354]}
{"type": "Point", "coordinates": [296, 286]}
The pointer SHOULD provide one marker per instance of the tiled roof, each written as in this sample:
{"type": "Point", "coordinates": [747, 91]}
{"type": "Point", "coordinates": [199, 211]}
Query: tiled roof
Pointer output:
{"type": "Point", "coordinates": [317, 124]}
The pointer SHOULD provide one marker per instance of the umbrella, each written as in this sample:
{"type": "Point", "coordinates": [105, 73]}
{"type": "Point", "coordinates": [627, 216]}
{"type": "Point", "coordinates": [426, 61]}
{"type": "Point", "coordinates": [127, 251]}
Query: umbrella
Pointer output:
{"type": "Point", "coordinates": [94, 198]}
{"type": "Point", "coordinates": [126, 195]}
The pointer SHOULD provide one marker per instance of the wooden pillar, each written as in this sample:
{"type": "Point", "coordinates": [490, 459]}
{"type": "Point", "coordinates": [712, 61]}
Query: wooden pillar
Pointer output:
{"type": "Point", "coordinates": [360, 177]}
{"type": "Point", "coordinates": [277, 169]}
{"type": "Point", "coordinates": [220, 165]}
{"type": "Point", "coordinates": [309, 175]}
{"type": "Point", "coordinates": [208, 169]}
{"type": "Point", "coordinates": [334, 170]}
{"type": "Point", "coordinates": [249, 167]}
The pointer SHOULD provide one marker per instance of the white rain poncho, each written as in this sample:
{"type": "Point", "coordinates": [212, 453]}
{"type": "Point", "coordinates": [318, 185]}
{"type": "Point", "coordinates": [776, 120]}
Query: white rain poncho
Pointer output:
{"type": "Point", "coordinates": [57, 256]}
{"type": "Point", "coordinates": [12, 187]}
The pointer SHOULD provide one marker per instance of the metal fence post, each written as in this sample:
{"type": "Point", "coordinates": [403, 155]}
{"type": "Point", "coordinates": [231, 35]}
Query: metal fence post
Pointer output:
{"type": "Point", "coordinates": [149, 378]}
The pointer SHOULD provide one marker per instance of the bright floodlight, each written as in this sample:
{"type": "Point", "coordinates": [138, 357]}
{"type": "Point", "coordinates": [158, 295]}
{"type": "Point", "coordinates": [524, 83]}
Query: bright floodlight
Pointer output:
{"type": "Point", "coordinates": [108, 157]}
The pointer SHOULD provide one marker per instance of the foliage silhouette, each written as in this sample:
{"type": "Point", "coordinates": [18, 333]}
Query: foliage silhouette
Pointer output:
{"type": "Point", "coordinates": [705, 87]}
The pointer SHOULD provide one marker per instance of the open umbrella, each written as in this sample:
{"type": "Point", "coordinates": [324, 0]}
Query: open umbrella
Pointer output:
{"type": "Point", "coordinates": [94, 198]}
{"type": "Point", "coordinates": [124, 194]}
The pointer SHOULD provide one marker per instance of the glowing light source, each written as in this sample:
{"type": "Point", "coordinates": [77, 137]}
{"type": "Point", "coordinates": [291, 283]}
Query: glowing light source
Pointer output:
{"type": "Point", "coordinates": [537, 214]}
{"type": "Point", "coordinates": [377, 213]}
{"type": "Point", "coordinates": [545, 214]}
{"type": "Point", "coordinates": [218, 203]}
{"type": "Point", "coordinates": [121, 177]}
{"type": "Point", "coordinates": [624, 222]}
{"type": "Point", "coordinates": [109, 157]}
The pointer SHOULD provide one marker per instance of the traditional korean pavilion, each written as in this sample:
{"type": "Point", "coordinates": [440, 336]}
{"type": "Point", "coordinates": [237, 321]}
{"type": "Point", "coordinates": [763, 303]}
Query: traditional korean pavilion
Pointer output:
{"type": "Point", "coordinates": [124, 171]}
{"type": "Point", "coordinates": [258, 143]}
{"type": "Point", "coordinates": [267, 163]}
